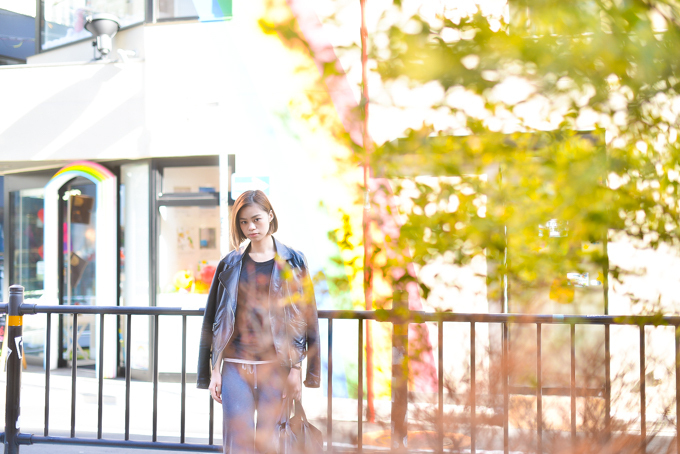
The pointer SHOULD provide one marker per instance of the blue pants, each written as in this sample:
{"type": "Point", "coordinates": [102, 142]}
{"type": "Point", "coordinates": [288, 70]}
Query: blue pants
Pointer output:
{"type": "Point", "coordinates": [246, 388]}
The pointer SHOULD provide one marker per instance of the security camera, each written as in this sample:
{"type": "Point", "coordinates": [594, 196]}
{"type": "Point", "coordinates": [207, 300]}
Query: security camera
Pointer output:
{"type": "Point", "coordinates": [103, 27]}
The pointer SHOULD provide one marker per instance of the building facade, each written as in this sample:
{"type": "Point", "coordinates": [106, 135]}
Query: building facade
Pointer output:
{"type": "Point", "coordinates": [119, 171]}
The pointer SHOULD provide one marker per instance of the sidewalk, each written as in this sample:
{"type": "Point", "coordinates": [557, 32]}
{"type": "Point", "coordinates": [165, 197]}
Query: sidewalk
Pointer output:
{"type": "Point", "coordinates": [345, 427]}
{"type": "Point", "coordinates": [32, 419]}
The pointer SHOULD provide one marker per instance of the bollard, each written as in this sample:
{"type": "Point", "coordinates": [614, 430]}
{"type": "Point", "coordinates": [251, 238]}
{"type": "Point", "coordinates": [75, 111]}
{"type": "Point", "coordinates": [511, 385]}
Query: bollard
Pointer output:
{"type": "Point", "coordinates": [14, 341]}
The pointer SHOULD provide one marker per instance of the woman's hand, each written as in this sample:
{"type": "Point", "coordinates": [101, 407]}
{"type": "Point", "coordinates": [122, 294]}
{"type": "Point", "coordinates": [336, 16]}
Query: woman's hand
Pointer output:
{"type": "Point", "coordinates": [216, 384]}
{"type": "Point", "coordinates": [293, 385]}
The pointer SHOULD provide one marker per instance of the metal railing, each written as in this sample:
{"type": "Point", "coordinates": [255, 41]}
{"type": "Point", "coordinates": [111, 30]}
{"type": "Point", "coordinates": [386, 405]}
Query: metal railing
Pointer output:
{"type": "Point", "coordinates": [16, 309]}
{"type": "Point", "coordinates": [12, 437]}
{"type": "Point", "coordinates": [505, 320]}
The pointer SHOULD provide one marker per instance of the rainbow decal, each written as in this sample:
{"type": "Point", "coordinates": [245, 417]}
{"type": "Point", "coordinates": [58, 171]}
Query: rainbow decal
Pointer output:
{"type": "Point", "coordinates": [88, 169]}
{"type": "Point", "coordinates": [106, 251]}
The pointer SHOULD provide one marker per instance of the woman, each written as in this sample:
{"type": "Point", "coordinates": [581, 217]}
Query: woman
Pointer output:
{"type": "Point", "coordinates": [260, 322]}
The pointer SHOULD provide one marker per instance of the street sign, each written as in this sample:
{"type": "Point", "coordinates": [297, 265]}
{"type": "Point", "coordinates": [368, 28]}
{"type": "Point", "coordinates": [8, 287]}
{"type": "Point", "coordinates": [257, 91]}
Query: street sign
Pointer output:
{"type": "Point", "coordinates": [242, 183]}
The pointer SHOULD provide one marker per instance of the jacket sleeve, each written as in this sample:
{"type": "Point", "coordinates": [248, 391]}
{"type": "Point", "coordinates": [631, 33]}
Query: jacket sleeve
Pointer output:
{"type": "Point", "coordinates": [204, 371]}
{"type": "Point", "coordinates": [313, 378]}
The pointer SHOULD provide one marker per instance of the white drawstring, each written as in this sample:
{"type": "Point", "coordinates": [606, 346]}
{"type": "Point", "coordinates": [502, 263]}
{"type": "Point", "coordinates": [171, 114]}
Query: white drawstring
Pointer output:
{"type": "Point", "coordinates": [252, 369]}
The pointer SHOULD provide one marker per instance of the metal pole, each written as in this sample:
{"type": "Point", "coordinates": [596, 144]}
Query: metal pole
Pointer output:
{"type": "Point", "coordinates": [360, 388]}
{"type": "Point", "coordinates": [329, 410]}
{"type": "Point", "coordinates": [100, 394]}
{"type": "Point", "coordinates": [14, 341]}
{"type": "Point", "coordinates": [128, 367]}
{"type": "Point", "coordinates": [643, 396]}
{"type": "Point", "coordinates": [677, 388]}
{"type": "Point", "coordinates": [48, 352]}
{"type": "Point", "coordinates": [69, 270]}
{"type": "Point", "coordinates": [440, 386]}
{"type": "Point", "coordinates": [211, 425]}
{"type": "Point", "coordinates": [154, 415]}
{"type": "Point", "coordinates": [400, 374]}
{"type": "Point", "coordinates": [473, 391]}
{"type": "Point", "coordinates": [539, 391]}
{"type": "Point", "coordinates": [74, 372]}
{"type": "Point", "coordinates": [572, 391]}
{"type": "Point", "coordinates": [505, 360]}
{"type": "Point", "coordinates": [607, 384]}
{"type": "Point", "coordinates": [183, 400]}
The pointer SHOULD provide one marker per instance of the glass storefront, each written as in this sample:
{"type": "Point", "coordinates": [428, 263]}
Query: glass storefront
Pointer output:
{"type": "Point", "coordinates": [188, 250]}
{"type": "Point", "coordinates": [189, 236]}
{"type": "Point", "coordinates": [27, 216]}
{"type": "Point", "coordinates": [171, 9]}
{"type": "Point", "coordinates": [168, 249]}
{"type": "Point", "coordinates": [212, 10]}
{"type": "Point", "coordinates": [188, 254]}
{"type": "Point", "coordinates": [64, 20]}
{"type": "Point", "coordinates": [27, 211]}
{"type": "Point", "coordinates": [79, 207]}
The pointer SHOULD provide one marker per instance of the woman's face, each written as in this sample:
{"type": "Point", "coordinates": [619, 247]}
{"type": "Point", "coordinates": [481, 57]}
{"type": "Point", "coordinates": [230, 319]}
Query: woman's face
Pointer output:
{"type": "Point", "coordinates": [254, 222]}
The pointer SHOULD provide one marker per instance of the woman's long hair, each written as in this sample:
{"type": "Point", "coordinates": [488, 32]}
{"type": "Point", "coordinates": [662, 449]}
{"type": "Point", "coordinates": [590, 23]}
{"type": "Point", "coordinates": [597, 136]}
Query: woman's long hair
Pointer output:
{"type": "Point", "coordinates": [249, 198]}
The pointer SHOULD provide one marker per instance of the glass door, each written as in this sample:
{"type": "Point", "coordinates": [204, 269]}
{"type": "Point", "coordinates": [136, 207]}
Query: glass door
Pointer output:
{"type": "Point", "coordinates": [188, 253]}
{"type": "Point", "coordinates": [78, 208]}
{"type": "Point", "coordinates": [28, 262]}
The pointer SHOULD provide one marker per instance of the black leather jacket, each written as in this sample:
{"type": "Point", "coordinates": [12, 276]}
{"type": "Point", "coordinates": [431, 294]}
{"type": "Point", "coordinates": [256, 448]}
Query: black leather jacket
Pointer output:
{"type": "Point", "coordinates": [292, 313]}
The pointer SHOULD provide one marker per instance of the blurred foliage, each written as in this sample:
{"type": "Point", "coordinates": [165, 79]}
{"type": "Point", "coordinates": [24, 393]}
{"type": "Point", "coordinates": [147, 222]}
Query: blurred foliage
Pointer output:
{"type": "Point", "coordinates": [550, 131]}
{"type": "Point", "coordinates": [522, 86]}
{"type": "Point", "coordinates": [541, 111]}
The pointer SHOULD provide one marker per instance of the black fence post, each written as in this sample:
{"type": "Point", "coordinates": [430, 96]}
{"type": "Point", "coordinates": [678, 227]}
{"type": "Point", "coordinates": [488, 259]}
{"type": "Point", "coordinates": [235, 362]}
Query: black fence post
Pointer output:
{"type": "Point", "coordinates": [14, 341]}
{"type": "Point", "coordinates": [400, 372]}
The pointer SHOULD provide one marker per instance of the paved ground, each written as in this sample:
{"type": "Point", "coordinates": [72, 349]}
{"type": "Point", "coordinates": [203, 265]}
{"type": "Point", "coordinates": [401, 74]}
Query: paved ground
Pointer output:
{"type": "Point", "coordinates": [32, 419]}
{"type": "Point", "coordinates": [345, 428]}
{"type": "Point", "coordinates": [58, 449]}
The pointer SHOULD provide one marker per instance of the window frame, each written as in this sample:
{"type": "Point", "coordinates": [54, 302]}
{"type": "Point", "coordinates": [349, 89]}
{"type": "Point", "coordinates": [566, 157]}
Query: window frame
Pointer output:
{"type": "Point", "coordinates": [150, 17]}
{"type": "Point", "coordinates": [158, 199]}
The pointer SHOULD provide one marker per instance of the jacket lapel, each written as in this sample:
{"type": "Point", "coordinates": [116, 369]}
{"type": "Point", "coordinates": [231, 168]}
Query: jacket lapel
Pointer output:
{"type": "Point", "coordinates": [230, 276]}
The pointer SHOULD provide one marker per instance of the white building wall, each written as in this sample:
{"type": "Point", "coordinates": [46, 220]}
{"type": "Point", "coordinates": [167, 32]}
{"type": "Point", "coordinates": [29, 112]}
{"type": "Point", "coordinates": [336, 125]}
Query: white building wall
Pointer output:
{"type": "Point", "coordinates": [79, 111]}
{"type": "Point", "coordinates": [194, 89]}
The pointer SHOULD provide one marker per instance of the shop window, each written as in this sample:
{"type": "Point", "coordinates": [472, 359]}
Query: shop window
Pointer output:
{"type": "Point", "coordinates": [29, 267]}
{"type": "Point", "coordinates": [191, 9]}
{"type": "Point", "coordinates": [64, 20]}
{"type": "Point", "coordinates": [173, 9]}
{"type": "Point", "coordinates": [188, 252]}
{"type": "Point", "coordinates": [28, 270]}
{"type": "Point", "coordinates": [79, 239]}
{"type": "Point", "coordinates": [189, 234]}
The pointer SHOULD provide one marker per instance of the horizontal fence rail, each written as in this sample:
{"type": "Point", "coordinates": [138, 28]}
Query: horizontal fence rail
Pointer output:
{"type": "Point", "coordinates": [505, 320]}
{"type": "Point", "coordinates": [13, 438]}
